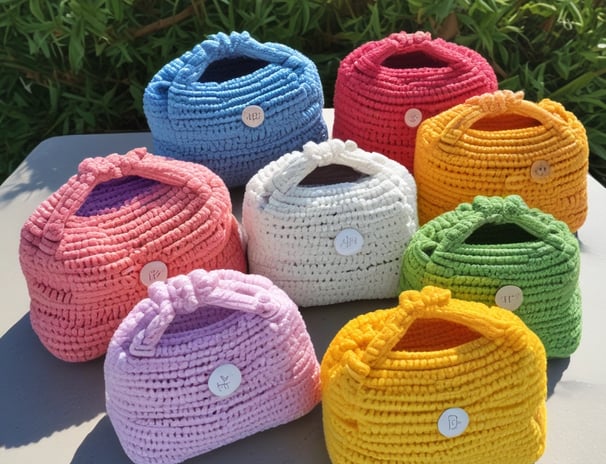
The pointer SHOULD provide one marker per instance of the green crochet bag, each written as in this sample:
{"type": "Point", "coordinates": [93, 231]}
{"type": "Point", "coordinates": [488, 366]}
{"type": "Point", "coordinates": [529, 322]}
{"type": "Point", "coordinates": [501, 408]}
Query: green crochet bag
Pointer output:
{"type": "Point", "coordinates": [499, 251]}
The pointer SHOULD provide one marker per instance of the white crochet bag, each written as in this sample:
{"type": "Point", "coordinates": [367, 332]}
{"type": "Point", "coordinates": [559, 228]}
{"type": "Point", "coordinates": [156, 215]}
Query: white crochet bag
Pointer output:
{"type": "Point", "coordinates": [330, 242]}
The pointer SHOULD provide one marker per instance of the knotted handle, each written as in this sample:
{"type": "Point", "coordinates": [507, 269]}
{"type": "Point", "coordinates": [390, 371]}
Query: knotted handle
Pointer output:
{"type": "Point", "coordinates": [94, 171]}
{"type": "Point", "coordinates": [185, 294]}
{"type": "Point", "coordinates": [430, 303]}
{"type": "Point", "coordinates": [401, 43]}
{"type": "Point", "coordinates": [498, 103]}
{"type": "Point", "coordinates": [219, 46]}
{"type": "Point", "coordinates": [330, 152]}
{"type": "Point", "coordinates": [499, 210]}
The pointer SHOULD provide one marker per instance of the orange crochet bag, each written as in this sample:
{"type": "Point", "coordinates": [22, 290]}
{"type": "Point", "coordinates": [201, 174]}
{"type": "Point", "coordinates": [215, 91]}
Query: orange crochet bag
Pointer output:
{"type": "Point", "coordinates": [498, 144]}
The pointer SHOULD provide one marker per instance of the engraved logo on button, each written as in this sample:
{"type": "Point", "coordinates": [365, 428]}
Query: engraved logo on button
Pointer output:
{"type": "Point", "coordinates": [253, 116]}
{"type": "Point", "coordinates": [509, 297]}
{"type": "Point", "coordinates": [540, 170]}
{"type": "Point", "coordinates": [224, 380]}
{"type": "Point", "coordinates": [453, 422]}
{"type": "Point", "coordinates": [413, 117]}
{"type": "Point", "coordinates": [152, 272]}
{"type": "Point", "coordinates": [349, 242]}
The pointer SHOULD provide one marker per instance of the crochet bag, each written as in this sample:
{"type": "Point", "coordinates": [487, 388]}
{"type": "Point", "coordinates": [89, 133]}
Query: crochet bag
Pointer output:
{"type": "Point", "coordinates": [499, 251]}
{"type": "Point", "coordinates": [89, 251]}
{"type": "Point", "coordinates": [500, 144]}
{"type": "Point", "coordinates": [385, 88]}
{"type": "Point", "coordinates": [234, 104]}
{"type": "Point", "coordinates": [332, 242]}
{"type": "Point", "coordinates": [434, 380]}
{"type": "Point", "coordinates": [207, 359]}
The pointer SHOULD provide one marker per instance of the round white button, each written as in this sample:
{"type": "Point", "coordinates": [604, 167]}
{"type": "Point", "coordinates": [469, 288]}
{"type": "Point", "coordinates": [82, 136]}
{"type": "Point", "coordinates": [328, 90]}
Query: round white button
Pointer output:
{"type": "Point", "coordinates": [253, 116]}
{"type": "Point", "coordinates": [413, 117]}
{"type": "Point", "coordinates": [349, 242]}
{"type": "Point", "coordinates": [224, 380]}
{"type": "Point", "coordinates": [540, 170]}
{"type": "Point", "coordinates": [453, 422]}
{"type": "Point", "coordinates": [152, 272]}
{"type": "Point", "coordinates": [509, 297]}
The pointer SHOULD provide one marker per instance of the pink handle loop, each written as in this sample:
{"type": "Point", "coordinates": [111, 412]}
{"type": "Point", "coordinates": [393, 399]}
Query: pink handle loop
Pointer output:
{"type": "Point", "coordinates": [185, 294]}
{"type": "Point", "coordinates": [137, 162]}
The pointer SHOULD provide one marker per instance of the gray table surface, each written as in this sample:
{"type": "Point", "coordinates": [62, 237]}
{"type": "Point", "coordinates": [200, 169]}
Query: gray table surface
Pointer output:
{"type": "Point", "coordinates": [54, 412]}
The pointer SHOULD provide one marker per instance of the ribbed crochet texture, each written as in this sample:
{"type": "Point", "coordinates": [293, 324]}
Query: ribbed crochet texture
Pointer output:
{"type": "Point", "coordinates": [194, 105]}
{"type": "Point", "coordinates": [389, 375]}
{"type": "Point", "coordinates": [83, 251]}
{"type": "Point", "coordinates": [160, 362]}
{"type": "Point", "coordinates": [479, 248]}
{"type": "Point", "coordinates": [330, 243]}
{"type": "Point", "coordinates": [385, 88]}
{"type": "Point", "coordinates": [500, 144]}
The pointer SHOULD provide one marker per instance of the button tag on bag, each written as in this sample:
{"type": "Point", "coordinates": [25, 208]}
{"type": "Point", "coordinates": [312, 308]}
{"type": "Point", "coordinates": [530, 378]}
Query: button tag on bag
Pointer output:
{"type": "Point", "coordinates": [509, 297]}
{"type": "Point", "coordinates": [413, 117]}
{"type": "Point", "coordinates": [349, 242]}
{"type": "Point", "coordinates": [453, 422]}
{"type": "Point", "coordinates": [152, 272]}
{"type": "Point", "coordinates": [253, 116]}
{"type": "Point", "coordinates": [224, 380]}
{"type": "Point", "coordinates": [540, 170]}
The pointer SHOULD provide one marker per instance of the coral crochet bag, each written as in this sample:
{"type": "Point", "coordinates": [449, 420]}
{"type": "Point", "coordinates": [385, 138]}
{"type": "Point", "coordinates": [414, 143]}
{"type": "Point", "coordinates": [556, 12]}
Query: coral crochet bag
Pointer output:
{"type": "Point", "coordinates": [207, 359]}
{"type": "Point", "coordinates": [330, 241]}
{"type": "Point", "coordinates": [385, 88]}
{"type": "Point", "coordinates": [89, 251]}
{"type": "Point", "coordinates": [498, 251]}
{"type": "Point", "coordinates": [435, 380]}
{"type": "Point", "coordinates": [234, 104]}
{"type": "Point", "coordinates": [500, 144]}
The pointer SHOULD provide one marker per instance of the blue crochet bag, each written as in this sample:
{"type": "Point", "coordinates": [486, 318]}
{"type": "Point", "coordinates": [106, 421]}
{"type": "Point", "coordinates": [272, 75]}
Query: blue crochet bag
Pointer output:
{"type": "Point", "coordinates": [235, 104]}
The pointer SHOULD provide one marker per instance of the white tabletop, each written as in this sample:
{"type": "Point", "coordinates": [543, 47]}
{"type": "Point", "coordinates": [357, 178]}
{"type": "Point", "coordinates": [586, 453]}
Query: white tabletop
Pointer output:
{"type": "Point", "coordinates": [54, 412]}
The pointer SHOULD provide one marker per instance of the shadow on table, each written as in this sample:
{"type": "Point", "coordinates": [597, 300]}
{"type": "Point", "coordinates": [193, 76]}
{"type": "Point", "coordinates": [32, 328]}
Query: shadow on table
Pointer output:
{"type": "Point", "coordinates": [300, 441]}
{"type": "Point", "coordinates": [555, 369]}
{"type": "Point", "coordinates": [40, 394]}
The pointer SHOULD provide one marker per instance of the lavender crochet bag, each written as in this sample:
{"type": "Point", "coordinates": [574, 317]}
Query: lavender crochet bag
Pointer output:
{"type": "Point", "coordinates": [209, 358]}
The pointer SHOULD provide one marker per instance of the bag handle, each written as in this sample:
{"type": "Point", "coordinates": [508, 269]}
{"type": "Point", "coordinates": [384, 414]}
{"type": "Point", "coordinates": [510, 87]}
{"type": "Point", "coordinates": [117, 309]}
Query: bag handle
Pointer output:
{"type": "Point", "coordinates": [137, 162]}
{"type": "Point", "coordinates": [219, 46]}
{"type": "Point", "coordinates": [433, 303]}
{"type": "Point", "coordinates": [502, 102]}
{"type": "Point", "coordinates": [403, 42]}
{"type": "Point", "coordinates": [330, 152]}
{"type": "Point", "coordinates": [185, 294]}
{"type": "Point", "coordinates": [499, 210]}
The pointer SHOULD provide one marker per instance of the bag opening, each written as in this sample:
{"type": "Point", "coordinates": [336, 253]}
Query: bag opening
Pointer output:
{"type": "Point", "coordinates": [231, 68]}
{"type": "Point", "coordinates": [115, 194]}
{"type": "Point", "coordinates": [413, 60]}
{"type": "Point", "coordinates": [435, 335]}
{"type": "Point", "coordinates": [332, 174]}
{"type": "Point", "coordinates": [504, 122]}
{"type": "Point", "coordinates": [494, 234]}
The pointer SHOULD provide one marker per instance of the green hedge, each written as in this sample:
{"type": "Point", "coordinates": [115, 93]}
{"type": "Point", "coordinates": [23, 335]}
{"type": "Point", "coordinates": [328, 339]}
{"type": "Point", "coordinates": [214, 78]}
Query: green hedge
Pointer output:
{"type": "Point", "coordinates": [77, 66]}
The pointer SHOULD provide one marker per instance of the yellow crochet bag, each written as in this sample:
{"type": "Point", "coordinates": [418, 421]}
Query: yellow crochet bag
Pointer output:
{"type": "Point", "coordinates": [498, 144]}
{"type": "Point", "coordinates": [434, 380]}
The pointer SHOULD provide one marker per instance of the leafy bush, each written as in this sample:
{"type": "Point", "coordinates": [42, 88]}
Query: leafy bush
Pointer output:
{"type": "Point", "coordinates": [80, 66]}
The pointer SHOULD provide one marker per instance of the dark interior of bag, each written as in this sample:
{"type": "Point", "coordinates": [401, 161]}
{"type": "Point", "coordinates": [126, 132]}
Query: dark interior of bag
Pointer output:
{"type": "Point", "coordinates": [435, 335]}
{"type": "Point", "coordinates": [331, 174]}
{"type": "Point", "coordinates": [412, 60]}
{"type": "Point", "coordinates": [493, 234]}
{"type": "Point", "coordinates": [231, 68]}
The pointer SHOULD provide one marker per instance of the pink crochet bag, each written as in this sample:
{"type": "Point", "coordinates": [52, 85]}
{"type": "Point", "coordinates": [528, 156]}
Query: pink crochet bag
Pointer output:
{"type": "Point", "coordinates": [209, 358]}
{"type": "Point", "coordinates": [386, 88]}
{"type": "Point", "coordinates": [123, 221]}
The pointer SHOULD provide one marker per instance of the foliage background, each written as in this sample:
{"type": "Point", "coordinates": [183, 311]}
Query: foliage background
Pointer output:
{"type": "Point", "coordinates": [78, 66]}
